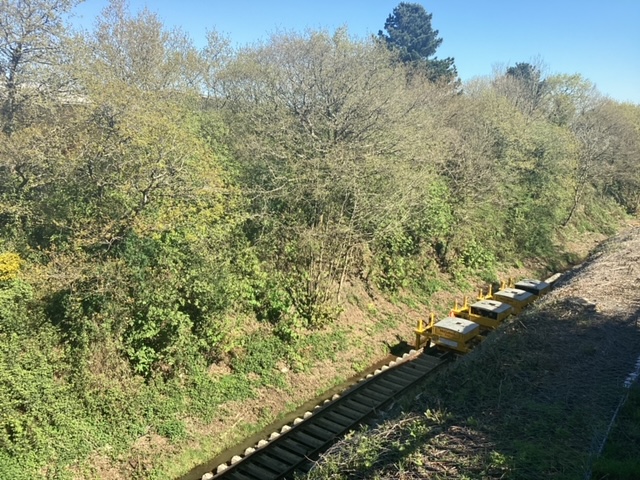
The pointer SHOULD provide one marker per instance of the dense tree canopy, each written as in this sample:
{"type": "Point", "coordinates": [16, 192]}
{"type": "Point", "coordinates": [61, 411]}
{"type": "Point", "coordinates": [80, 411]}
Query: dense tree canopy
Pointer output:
{"type": "Point", "coordinates": [178, 225]}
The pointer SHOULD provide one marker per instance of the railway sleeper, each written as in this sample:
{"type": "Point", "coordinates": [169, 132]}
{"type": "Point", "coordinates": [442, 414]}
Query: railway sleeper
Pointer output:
{"type": "Point", "coordinates": [237, 475]}
{"type": "Point", "coordinates": [257, 472]}
{"type": "Point", "coordinates": [392, 384]}
{"type": "Point", "coordinates": [363, 399]}
{"type": "Point", "coordinates": [380, 389]}
{"type": "Point", "coordinates": [373, 395]}
{"type": "Point", "coordinates": [330, 426]}
{"type": "Point", "coordinates": [294, 447]}
{"type": "Point", "coordinates": [288, 456]}
{"type": "Point", "coordinates": [309, 440]}
{"type": "Point", "coordinates": [406, 377]}
{"type": "Point", "coordinates": [319, 432]}
{"type": "Point", "coordinates": [271, 461]}
{"type": "Point", "coordinates": [340, 419]}
{"type": "Point", "coordinates": [356, 407]}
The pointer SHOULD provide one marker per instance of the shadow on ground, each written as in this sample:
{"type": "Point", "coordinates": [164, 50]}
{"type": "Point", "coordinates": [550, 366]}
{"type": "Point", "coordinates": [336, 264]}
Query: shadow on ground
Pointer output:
{"type": "Point", "coordinates": [534, 401]}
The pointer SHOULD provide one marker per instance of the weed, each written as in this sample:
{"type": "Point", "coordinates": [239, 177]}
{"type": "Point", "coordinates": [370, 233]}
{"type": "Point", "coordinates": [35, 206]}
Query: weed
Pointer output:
{"type": "Point", "coordinates": [173, 429]}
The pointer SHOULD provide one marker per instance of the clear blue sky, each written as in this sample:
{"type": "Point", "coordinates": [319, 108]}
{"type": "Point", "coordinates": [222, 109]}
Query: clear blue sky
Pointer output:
{"type": "Point", "coordinates": [599, 39]}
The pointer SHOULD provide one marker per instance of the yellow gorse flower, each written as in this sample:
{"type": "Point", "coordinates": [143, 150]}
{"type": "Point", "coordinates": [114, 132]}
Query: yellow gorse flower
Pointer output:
{"type": "Point", "coordinates": [9, 265]}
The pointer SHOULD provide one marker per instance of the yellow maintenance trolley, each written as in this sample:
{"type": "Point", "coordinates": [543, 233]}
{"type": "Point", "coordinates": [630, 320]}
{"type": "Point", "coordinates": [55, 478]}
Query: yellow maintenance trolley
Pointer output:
{"type": "Point", "coordinates": [485, 312]}
{"type": "Point", "coordinates": [534, 287]}
{"type": "Point", "coordinates": [460, 331]}
{"type": "Point", "coordinates": [450, 333]}
{"type": "Point", "coordinates": [515, 297]}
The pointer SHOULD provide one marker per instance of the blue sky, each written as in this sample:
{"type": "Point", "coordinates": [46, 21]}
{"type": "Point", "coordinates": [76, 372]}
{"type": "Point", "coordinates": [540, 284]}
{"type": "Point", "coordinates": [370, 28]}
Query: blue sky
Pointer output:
{"type": "Point", "coordinates": [598, 39]}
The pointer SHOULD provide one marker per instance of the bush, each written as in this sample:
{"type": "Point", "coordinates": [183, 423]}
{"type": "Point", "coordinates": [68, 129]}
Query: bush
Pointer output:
{"type": "Point", "coordinates": [15, 296]}
{"type": "Point", "coordinates": [42, 417]}
{"type": "Point", "coordinates": [9, 266]}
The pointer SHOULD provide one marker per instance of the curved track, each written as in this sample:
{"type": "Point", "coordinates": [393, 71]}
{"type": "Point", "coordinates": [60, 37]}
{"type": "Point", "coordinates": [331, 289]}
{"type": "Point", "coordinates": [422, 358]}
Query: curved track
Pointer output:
{"type": "Point", "coordinates": [295, 447]}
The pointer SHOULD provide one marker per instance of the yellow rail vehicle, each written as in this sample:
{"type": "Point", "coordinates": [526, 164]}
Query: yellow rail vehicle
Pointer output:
{"type": "Point", "coordinates": [486, 313]}
{"type": "Point", "coordinates": [534, 287]}
{"type": "Point", "coordinates": [455, 334]}
{"type": "Point", "coordinates": [451, 333]}
{"type": "Point", "coordinates": [515, 297]}
{"type": "Point", "coordinates": [460, 331]}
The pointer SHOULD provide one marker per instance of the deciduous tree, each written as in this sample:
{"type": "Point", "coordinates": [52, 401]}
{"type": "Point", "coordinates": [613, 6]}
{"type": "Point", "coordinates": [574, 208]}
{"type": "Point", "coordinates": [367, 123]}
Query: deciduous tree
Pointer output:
{"type": "Point", "coordinates": [324, 127]}
{"type": "Point", "coordinates": [136, 51]}
{"type": "Point", "coordinates": [524, 85]}
{"type": "Point", "coordinates": [32, 34]}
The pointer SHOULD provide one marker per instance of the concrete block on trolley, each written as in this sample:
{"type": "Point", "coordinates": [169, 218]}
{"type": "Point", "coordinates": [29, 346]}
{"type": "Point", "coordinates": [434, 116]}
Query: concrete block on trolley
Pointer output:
{"type": "Point", "coordinates": [455, 334]}
{"type": "Point", "coordinates": [489, 313]}
{"type": "Point", "coordinates": [515, 297]}
{"type": "Point", "coordinates": [534, 287]}
{"type": "Point", "coordinates": [485, 312]}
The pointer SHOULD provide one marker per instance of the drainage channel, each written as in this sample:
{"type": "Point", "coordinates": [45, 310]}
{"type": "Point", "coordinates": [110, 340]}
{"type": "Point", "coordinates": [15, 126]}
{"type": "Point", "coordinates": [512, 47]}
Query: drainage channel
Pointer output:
{"type": "Point", "coordinates": [294, 447]}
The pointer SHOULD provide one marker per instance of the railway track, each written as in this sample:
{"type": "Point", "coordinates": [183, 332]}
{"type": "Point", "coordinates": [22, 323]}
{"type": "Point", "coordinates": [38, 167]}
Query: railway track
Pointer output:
{"type": "Point", "coordinates": [295, 447]}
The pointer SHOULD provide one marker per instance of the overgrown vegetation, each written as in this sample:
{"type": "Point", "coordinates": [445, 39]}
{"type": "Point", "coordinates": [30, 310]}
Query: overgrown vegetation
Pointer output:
{"type": "Point", "coordinates": [165, 209]}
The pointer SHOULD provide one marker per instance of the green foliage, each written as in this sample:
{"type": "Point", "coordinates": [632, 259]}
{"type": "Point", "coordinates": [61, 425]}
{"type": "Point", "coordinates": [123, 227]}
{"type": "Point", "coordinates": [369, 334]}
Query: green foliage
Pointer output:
{"type": "Point", "coordinates": [260, 355]}
{"type": "Point", "coordinates": [405, 256]}
{"type": "Point", "coordinates": [567, 96]}
{"type": "Point", "coordinates": [409, 28]}
{"type": "Point", "coordinates": [393, 263]}
{"type": "Point", "coordinates": [436, 219]}
{"type": "Point", "coordinates": [139, 223]}
{"type": "Point", "coordinates": [40, 418]}
{"type": "Point", "coordinates": [273, 304]}
{"type": "Point", "coordinates": [208, 393]}
{"type": "Point", "coordinates": [173, 429]}
{"type": "Point", "coordinates": [295, 302]}
{"type": "Point", "coordinates": [317, 346]}
{"type": "Point", "coordinates": [180, 292]}
{"type": "Point", "coordinates": [613, 469]}
{"type": "Point", "coordinates": [15, 297]}
{"type": "Point", "coordinates": [476, 257]}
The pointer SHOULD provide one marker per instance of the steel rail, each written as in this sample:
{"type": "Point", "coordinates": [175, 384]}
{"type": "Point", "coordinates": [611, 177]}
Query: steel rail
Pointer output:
{"type": "Point", "coordinates": [295, 447]}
